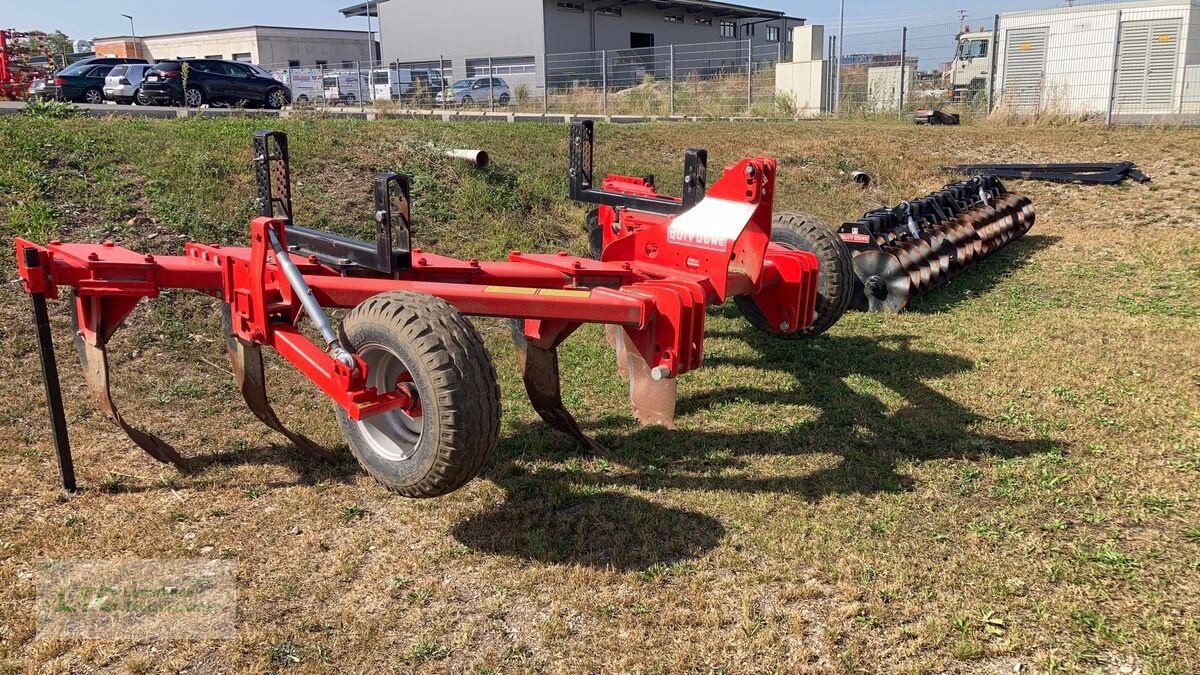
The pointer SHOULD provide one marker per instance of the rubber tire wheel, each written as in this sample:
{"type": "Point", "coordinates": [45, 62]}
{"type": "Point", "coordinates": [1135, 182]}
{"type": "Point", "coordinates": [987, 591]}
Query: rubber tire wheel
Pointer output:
{"type": "Point", "coordinates": [200, 98]}
{"type": "Point", "coordinates": [504, 99]}
{"type": "Point", "coordinates": [467, 102]}
{"type": "Point", "coordinates": [95, 93]}
{"type": "Point", "coordinates": [140, 98]}
{"type": "Point", "coordinates": [455, 381]}
{"type": "Point", "coordinates": [270, 103]}
{"type": "Point", "coordinates": [835, 277]}
{"type": "Point", "coordinates": [349, 100]}
{"type": "Point", "coordinates": [594, 234]}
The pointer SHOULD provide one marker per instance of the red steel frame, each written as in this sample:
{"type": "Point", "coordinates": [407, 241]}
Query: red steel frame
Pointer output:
{"type": "Point", "coordinates": [657, 276]}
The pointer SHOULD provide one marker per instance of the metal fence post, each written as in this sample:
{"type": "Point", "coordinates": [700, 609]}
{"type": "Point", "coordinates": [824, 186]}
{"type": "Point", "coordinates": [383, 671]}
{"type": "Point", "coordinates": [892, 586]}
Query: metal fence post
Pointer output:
{"type": "Point", "coordinates": [1112, 92]}
{"type": "Point", "coordinates": [442, 73]}
{"type": "Point", "coordinates": [749, 75]}
{"type": "Point", "coordinates": [604, 81]}
{"type": "Point", "coordinates": [991, 79]}
{"type": "Point", "coordinates": [903, 68]}
{"type": "Point", "coordinates": [671, 105]}
{"type": "Point", "coordinates": [545, 83]}
{"type": "Point", "coordinates": [833, 78]}
{"type": "Point", "coordinates": [491, 82]}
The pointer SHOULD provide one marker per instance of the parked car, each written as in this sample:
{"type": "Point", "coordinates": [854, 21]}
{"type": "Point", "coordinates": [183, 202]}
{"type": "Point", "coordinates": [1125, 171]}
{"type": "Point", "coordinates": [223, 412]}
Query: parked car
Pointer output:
{"type": "Point", "coordinates": [36, 87]}
{"type": "Point", "coordinates": [477, 91]}
{"type": "Point", "coordinates": [305, 84]}
{"type": "Point", "coordinates": [124, 84]}
{"type": "Point", "coordinates": [215, 82]}
{"type": "Point", "coordinates": [82, 81]}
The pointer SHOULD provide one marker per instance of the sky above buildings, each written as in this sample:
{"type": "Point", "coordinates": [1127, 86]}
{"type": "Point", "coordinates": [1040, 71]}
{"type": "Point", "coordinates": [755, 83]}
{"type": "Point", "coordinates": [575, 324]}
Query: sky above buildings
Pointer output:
{"type": "Point", "coordinates": [85, 19]}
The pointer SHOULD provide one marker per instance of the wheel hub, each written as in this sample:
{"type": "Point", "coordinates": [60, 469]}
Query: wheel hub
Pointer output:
{"type": "Point", "coordinates": [393, 435]}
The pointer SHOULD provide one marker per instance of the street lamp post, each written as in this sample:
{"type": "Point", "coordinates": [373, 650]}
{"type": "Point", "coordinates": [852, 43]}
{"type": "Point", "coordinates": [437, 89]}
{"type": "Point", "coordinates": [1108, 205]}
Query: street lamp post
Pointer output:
{"type": "Point", "coordinates": [133, 34]}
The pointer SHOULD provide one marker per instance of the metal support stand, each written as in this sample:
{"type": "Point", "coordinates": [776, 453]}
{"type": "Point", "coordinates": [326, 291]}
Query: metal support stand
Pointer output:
{"type": "Point", "coordinates": [671, 105]}
{"type": "Point", "coordinates": [903, 68]}
{"type": "Point", "coordinates": [991, 78]}
{"type": "Point", "coordinates": [58, 418]}
{"type": "Point", "coordinates": [604, 81]}
{"type": "Point", "coordinates": [749, 75]}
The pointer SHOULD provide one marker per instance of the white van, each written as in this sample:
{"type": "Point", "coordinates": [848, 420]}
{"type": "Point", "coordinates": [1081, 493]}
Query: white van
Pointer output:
{"type": "Point", "coordinates": [396, 84]}
{"type": "Point", "coordinates": [305, 83]}
{"type": "Point", "coordinates": [346, 86]}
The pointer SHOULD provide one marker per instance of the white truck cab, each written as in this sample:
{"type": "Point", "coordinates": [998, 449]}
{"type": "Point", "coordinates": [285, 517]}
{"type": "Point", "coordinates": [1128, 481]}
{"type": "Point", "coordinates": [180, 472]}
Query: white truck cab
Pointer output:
{"type": "Point", "coordinates": [346, 86]}
{"type": "Point", "coordinates": [396, 84]}
{"type": "Point", "coordinates": [968, 72]}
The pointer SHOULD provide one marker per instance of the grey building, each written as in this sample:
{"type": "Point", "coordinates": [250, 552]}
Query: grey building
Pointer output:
{"type": "Point", "coordinates": [512, 39]}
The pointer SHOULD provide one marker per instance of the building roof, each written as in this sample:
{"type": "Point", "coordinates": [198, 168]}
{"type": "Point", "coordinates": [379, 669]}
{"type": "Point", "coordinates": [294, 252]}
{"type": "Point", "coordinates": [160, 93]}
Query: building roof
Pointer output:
{"type": "Point", "coordinates": [692, 6]}
{"type": "Point", "coordinates": [231, 30]}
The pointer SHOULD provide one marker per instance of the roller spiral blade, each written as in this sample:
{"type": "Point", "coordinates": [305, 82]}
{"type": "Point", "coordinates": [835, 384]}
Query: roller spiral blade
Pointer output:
{"type": "Point", "coordinates": [902, 253]}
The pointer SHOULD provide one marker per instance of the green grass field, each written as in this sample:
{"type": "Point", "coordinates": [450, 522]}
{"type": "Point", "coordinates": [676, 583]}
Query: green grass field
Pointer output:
{"type": "Point", "coordinates": [1004, 479]}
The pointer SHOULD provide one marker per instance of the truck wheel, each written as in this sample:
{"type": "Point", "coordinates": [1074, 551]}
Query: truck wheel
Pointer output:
{"type": "Point", "coordinates": [835, 276]}
{"type": "Point", "coordinates": [440, 443]}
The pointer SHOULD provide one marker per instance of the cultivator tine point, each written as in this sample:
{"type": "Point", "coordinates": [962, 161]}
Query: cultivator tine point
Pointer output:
{"type": "Point", "coordinates": [653, 400]}
{"type": "Point", "coordinates": [539, 371]}
{"type": "Point", "coordinates": [94, 358]}
{"type": "Point", "coordinates": [247, 362]}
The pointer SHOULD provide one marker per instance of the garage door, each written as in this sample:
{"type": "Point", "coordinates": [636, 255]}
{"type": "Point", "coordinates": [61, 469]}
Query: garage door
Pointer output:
{"type": "Point", "coordinates": [1147, 66]}
{"type": "Point", "coordinates": [1025, 68]}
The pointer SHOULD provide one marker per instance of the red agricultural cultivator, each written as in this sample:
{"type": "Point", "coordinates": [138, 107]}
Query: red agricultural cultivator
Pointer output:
{"type": "Point", "coordinates": [413, 386]}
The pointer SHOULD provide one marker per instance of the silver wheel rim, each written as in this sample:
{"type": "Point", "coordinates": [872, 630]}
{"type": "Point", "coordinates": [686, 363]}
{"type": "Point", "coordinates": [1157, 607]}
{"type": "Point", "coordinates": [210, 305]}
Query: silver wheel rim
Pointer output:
{"type": "Point", "coordinates": [275, 100]}
{"type": "Point", "coordinates": [93, 97]}
{"type": "Point", "coordinates": [193, 97]}
{"type": "Point", "coordinates": [141, 98]}
{"type": "Point", "coordinates": [394, 435]}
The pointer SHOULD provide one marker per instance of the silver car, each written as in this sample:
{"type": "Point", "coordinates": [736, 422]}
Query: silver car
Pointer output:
{"type": "Point", "coordinates": [123, 84]}
{"type": "Point", "coordinates": [477, 91]}
{"type": "Point", "coordinates": [37, 87]}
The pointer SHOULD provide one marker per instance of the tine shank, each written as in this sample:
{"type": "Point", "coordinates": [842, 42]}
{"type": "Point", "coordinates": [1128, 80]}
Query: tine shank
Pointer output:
{"type": "Point", "coordinates": [653, 401]}
{"type": "Point", "coordinates": [539, 371]}
{"type": "Point", "coordinates": [247, 362]}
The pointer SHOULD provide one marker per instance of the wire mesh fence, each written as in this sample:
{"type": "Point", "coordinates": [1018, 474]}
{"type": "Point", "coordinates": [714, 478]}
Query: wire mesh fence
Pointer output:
{"type": "Point", "coordinates": [1110, 61]}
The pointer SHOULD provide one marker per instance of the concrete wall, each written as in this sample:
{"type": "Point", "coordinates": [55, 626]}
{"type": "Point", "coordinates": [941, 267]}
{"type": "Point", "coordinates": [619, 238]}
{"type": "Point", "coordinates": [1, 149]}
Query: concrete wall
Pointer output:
{"type": "Point", "coordinates": [460, 29]}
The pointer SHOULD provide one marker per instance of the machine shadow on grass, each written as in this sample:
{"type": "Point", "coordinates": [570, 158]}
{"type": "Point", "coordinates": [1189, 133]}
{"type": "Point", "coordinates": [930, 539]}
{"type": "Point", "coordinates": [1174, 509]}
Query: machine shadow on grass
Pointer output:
{"type": "Point", "coordinates": [572, 515]}
{"type": "Point", "coordinates": [986, 275]}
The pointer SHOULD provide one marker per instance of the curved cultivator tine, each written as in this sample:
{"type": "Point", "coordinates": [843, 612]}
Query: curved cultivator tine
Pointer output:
{"type": "Point", "coordinates": [653, 401]}
{"type": "Point", "coordinates": [539, 371]}
{"type": "Point", "coordinates": [247, 363]}
{"type": "Point", "coordinates": [94, 358]}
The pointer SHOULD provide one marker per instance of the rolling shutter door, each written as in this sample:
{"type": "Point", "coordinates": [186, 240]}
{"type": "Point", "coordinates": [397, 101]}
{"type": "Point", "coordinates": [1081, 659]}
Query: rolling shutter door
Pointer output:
{"type": "Point", "coordinates": [1025, 68]}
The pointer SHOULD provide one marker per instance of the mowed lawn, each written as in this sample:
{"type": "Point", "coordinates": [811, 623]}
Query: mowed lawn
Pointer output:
{"type": "Point", "coordinates": [1004, 479]}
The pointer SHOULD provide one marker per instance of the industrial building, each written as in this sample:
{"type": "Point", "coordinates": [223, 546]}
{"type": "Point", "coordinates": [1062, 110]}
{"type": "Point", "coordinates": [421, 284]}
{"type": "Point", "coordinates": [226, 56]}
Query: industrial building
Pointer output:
{"type": "Point", "coordinates": [268, 45]}
{"type": "Point", "coordinates": [511, 39]}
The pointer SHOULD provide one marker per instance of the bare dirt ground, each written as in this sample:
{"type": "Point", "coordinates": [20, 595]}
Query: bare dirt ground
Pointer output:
{"type": "Point", "coordinates": [1004, 479]}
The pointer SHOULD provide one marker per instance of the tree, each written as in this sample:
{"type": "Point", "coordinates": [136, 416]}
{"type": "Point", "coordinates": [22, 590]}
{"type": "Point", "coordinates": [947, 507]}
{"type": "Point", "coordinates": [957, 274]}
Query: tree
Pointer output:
{"type": "Point", "coordinates": [58, 43]}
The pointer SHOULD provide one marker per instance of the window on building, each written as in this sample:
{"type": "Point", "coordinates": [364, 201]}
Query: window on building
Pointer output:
{"type": "Point", "coordinates": [214, 56]}
{"type": "Point", "coordinates": [748, 29]}
{"type": "Point", "coordinates": [772, 33]}
{"type": "Point", "coordinates": [673, 18]}
{"type": "Point", "coordinates": [244, 57]}
{"type": "Point", "coordinates": [576, 7]}
{"type": "Point", "coordinates": [293, 63]}
{"type": "Point", "coordinates": [322, 62]}
{"type": "Point", "coordinates": [347, 64]}
{"type": "Point", "coordinates": [703, 22]}
{"type": "Point", "coordinates": [609, 11]}
{"type": "Point", "coordinates": [503, 65]}
{"type": "Point", "coordinates": [791, 35]}
{"type": "Point", "coordinates": [728, 29]}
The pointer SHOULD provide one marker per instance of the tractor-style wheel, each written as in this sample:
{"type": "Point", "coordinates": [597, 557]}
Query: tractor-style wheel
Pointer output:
{"type": "Point", "coordinates": [835, 277]}
{"type": "Point", "coordinates": [439, 442]}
